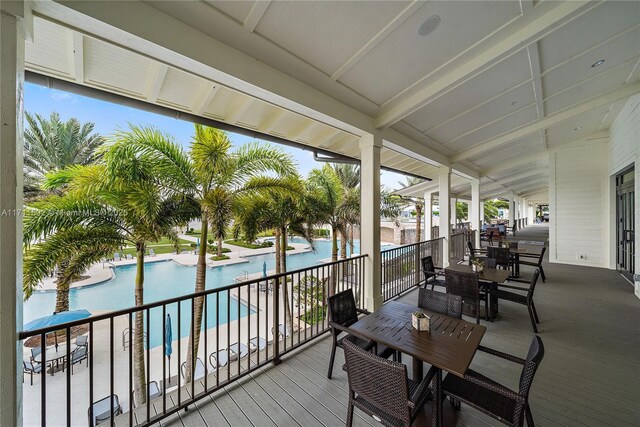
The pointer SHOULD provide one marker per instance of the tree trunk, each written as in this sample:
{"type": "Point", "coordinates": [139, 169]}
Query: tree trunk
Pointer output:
{"type": "Point", "coordinates": [62, 288]}
{"type": "Point", "coordinates": [285, 285]}
{"type": "Point", "coordinates": [418, 222]}
{"type": "Point", "coordinates": [334, 257]}
{"type": "Point", "coordinates": [343, 245]}
{"type": "Point", "coordinates": [276, 233]}
{"type": "Point", "coordinates": [220, 246]}
{"type": "Point", "coordinates": [198, 303]}
{"type": "Point", "coordinates": [351, 244]}
{"type": "Point", "coordinates": [139, 373]}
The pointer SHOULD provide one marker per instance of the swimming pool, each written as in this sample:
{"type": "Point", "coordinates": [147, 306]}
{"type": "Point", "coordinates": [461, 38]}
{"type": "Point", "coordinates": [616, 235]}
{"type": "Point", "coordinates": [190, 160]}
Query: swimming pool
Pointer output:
{"type": "Point", "coordinates": [165, 280]}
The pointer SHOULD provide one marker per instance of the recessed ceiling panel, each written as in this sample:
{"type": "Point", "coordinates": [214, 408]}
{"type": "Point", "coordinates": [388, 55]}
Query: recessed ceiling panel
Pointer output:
{"type": "Point", "coordinates": [489, 84]}
{"type": "Point", "coordinates": [600, 84]}
{"type": "Point", "coordinates": [592, 28]}
{"type": "Point", "coordinates": [326, 34]}
{"type": "Point", "coordinates": [115, 69]}
{"type": "Point", "coordinates": [179, 89]}
{"type": "Point", "coordinates": [238, 10]}
{"type": "Point", "coordinates": [50, 50]}
{"type": "Point", "coordinates": [577, 127]}
{"type": "Point", "coordinates": [520, 118]}
{"type": "Point", "coordinates": [405, 57]}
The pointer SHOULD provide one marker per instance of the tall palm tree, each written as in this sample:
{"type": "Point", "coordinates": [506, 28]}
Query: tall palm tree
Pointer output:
{"type": "Point", "coordinates": [221, 180]}
{"type": "Point", "coordinates": [417, 202]}
{"type": "Point", "coordinates": [123, 198]}
{"type": "Point", "coordinates": [51, 145]}
{"type": "Point", "coordinates": [349, 176]}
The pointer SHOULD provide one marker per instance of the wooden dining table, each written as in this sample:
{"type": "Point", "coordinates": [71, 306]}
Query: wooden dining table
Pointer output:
{"type": "Point", "coordinates": [449, 346]}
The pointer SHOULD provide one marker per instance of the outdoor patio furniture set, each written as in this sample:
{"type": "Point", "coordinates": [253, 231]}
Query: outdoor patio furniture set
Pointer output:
{"type": "Point", "coordinates": [55, 357]}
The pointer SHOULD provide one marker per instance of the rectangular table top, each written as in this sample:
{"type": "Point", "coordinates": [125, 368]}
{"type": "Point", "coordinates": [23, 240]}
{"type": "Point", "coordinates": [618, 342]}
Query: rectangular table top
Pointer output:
{"type": "Point", "coordinates": [450, 345]}
{"type": "Point", "coordinates": [495, 275]}
{"type": "Point", "coordinates": [516, 250]}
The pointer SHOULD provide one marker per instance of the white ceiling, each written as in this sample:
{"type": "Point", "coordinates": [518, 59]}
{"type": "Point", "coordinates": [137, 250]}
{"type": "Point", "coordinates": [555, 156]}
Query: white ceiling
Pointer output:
{"type": "Point", "coordinates": [496, 82]}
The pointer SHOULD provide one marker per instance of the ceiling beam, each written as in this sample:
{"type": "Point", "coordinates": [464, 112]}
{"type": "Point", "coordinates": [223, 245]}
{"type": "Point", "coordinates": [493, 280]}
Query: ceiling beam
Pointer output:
{"type": "Point", "coordinates": [576, 110]}
{"type": "Point", "coordinates": [377, 39]}
{"type": "Point", "coordinates": [155, 79]}
{"type": "Point", "coordinates": [518, 176]}
{"type": "Point", "coordinates": [207, 92]}
{"type": "Point", "coordinates": [77, 44]}
{"type": "Point", "coordinates": [255, 14]}
{"type": "Point", "coordinates": [534, 65]}
{"type": "Point", "coordinates": [523, 31]}
{"type": "Point", "coordinates": [396, 141]}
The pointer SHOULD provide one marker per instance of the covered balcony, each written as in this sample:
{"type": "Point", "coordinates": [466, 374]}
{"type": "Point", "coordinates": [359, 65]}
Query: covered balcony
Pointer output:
{"type": "Point", "coordinates": [536, 103]}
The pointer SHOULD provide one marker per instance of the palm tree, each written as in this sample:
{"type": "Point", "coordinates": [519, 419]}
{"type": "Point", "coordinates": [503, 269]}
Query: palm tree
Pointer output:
{"type": "Point", "coordinates": [416, 201]}
{"type": "Point", "coordinates": [349, 176]}
{"type": "Point", "coordinates": [51, 145]}
{"type": "Point", "coordinates": [221, 180]}
{"type": "Point", "coordinates": [123, 198]}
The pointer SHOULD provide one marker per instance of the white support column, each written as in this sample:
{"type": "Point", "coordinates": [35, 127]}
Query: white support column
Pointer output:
{"type": "Point", "coordinates": [454, 212]}
{"type": "Point", "coordinates": [11, 142]}
{"type": "Point", "coordinates": [428, 215]}
{"type": "Point", "coordinates": [474, 211]}
{"type": "Point", "coordinates": [370, 146]}
{"type": "Point", "coordinates": [512, 209]}
{"type": "Point", "coordinates": [444, 190]}
{"type": "Point", "coordinates": [481, 213]}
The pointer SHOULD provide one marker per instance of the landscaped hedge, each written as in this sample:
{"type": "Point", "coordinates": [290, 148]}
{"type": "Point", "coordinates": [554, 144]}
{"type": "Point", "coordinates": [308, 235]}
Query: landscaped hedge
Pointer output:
{"type": "Point", "coordinates": [243, 244]}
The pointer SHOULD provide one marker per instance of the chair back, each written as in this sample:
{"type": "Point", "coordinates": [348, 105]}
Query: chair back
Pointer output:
{"type": "Point", "coordinates": [447, 304]}
{"type": "Point", "coordinates": [342, 308]}
{"type": "Point", "coordinates": [472, 252]}
{"type": "Point", "coordinates": [513, 245]}
{"type": "Point", "coordinates": [532, 284]}
{"type": "Point", "coordinates": [80, 353]}
{"type": "Point", "coordinates": [36, 352]}
{"type": "Point", "coordinates": [544, 248]}
{"type": "Point", "coordinates": [381, 382]}
{"type": "Point", "coordinates": [534, 357]}
{"type": "Point", "coordinates": [463, 284]}
{"type": "Point", "coordinates": [501, 255]}
{"type": "Point", "coordinates": [81, 340]}
{"type": "Point", "coordinates": [486, 262]}
{"type": "Point", "coordinates": [428, 269]}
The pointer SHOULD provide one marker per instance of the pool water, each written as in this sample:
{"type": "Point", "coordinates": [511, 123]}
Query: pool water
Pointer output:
{"type": "Point", "coordinates": [165, 280]}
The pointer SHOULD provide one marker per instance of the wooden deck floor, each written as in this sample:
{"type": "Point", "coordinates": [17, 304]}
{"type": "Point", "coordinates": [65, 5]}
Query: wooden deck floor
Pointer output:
{"type": "Point", "coordinates": [590, 325]}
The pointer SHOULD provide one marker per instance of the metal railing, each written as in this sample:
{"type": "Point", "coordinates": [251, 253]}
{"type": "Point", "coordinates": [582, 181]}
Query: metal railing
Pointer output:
{"type": "Point", "coordinates": [401, 266]}
{"type": "Point", "coordinates": [435, 232]}
{"type": "Point", "coordinates": [458, 246]}
{"type": "Point", "coordinates": [244, 326]}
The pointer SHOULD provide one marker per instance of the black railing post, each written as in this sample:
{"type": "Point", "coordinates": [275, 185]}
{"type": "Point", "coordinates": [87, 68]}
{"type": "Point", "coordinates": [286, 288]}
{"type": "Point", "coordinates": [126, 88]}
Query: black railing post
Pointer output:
{"type": "Point", "coordinates": [276, 322]}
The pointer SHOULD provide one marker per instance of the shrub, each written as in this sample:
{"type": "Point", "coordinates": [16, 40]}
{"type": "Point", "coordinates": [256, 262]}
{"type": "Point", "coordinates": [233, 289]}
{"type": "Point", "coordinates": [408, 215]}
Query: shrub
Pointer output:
{"type": "Point", "coordinates": [219, 258]}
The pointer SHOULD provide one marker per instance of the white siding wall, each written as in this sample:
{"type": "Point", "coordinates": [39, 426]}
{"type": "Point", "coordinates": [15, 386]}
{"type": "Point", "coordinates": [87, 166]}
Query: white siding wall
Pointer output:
{"type": "Point", "coordinates": [624, 150]}
{"type": "Point", "coordinates": [579, 204]}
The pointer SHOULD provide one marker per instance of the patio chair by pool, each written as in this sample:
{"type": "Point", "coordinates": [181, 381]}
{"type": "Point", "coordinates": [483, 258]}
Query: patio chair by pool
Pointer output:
{"type": "Point", "coordinates": [78, 355]}
{"type": "Point", "coordinates": [153, 390]}
{"type": "Point", "coordinates": [129, 256]}
{"type": "Point", "coordinates": [219, 358]}
{"type": "Point", "coordinates": [382, 388]}
{"type": "Point", "coordinates": [151, 252]}
{"type": "Point", "coordinates": [257, 343]}
{"type": "Point", "coordinates": [116, 256]}
{"type": "Point", "coordinates": [31, 368]}
{"type": "Point", "coordinates": [199, 371]}
{"type": "Point", "coordinates": [238, 349]}
{"type": "Point", "coordinates": [508, 406]}
{"type": "Point", "coordinates": [283, 332]}
{"type": "Point", "coordinates": [82, 341]}
{"type": "Point", "coordinates": [101, 412]}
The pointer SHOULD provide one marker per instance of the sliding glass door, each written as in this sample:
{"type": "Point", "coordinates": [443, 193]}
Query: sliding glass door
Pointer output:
{"type": "Point", "coordinates": [625, 225]}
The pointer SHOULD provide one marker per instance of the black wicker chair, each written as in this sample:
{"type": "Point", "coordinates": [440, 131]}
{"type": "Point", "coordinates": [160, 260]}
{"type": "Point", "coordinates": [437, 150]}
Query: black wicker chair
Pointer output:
{"type": "Point", "coordinates": [381, 387]}
{"type": "Point", "coordinates": [475, 253]}
{"type": "Point", "coordinates": [448, 304]}
{"type": "Point", "coordinates": [466, 286]}
{"type": "Point", "coordinates": [430, 273]}
{"type": "Point", "coordinates": [501, 255]}
{"type": "Point", "coordinates": [505, 405]}
{"type": "Point", "coordinates": [486, 262]}
{"type": "Point", "coordinates": [536, 263]}
{"type": "Point", "coordinates": [525, 298]}
{"type": "Point", "coordinates": [342, 314]}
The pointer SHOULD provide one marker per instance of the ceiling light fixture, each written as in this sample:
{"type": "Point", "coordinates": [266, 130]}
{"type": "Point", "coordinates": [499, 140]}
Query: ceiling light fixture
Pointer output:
{"type": "Point", "coordinates": [430, 24]}
{"type": "Point", "coordinates": [597, 63]}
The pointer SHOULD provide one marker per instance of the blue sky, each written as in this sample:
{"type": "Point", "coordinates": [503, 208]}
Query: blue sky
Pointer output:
{"type": "Point", "coordinates": [109, 117]}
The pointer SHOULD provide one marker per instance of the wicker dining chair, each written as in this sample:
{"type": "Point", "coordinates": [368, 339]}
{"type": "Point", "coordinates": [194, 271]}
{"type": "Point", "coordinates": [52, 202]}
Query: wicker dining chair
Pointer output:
{"type": "Point", "coordinates": [505, 405]}
{"type": "Point", "coordinates": [430, 273]}
{"type": "Point", "coordinates": [473, 252]}
{"type": "Point", "coordinates": [342, 314]}
{"type": "Point", "coordinates": [501, 255]}
{"type": "Point", "coordinates": [447, 304]}
{"type": "Point", "coordinates": [486, 262]}
{"type": "Point", "coordinates": [466, 285]}
{"type": "Point", "coordinates": [524, 298]}
{"type": "Point", "coordinates": [536, 261]}
{"type": "Point", "coordinates": [381, 388]}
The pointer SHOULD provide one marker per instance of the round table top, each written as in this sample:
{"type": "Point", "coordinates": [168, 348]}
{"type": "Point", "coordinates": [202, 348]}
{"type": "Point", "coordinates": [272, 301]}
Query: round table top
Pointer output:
{"type": "Point", "coordinates": [52, 353]}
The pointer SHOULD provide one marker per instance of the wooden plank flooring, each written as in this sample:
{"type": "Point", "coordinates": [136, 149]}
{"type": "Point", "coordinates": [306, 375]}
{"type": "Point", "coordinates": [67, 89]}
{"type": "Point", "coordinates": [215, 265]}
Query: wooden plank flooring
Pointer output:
{"type": "Point", "coordinates": [590, 326]}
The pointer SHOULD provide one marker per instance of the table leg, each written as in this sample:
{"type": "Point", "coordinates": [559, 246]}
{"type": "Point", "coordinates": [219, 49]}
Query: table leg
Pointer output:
{"type": "Point", "coordinates": [436, 411]}
{"type": "Point", "coordinates": [418, 373]}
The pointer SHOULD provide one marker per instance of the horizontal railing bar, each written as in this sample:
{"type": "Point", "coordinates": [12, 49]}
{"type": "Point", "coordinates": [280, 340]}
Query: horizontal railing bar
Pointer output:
{"type": "Point", "coordinates": [105, 316]}
{"type": "Point", "coordinates": [408, 245]}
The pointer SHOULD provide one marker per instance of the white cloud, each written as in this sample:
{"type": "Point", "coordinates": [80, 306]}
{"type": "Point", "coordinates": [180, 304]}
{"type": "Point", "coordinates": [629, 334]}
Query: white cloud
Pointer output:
{"type": "Point", "coordinates": [56, 95]}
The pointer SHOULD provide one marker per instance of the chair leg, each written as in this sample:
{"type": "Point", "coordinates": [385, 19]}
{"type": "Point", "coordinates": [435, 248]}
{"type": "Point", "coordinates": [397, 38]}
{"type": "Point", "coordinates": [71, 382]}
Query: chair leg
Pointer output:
{"type": "Point", "coordinates": [31, 374]}
{"type": "Point", "coordinates": [350, 411]}
{"type": "Point", "coordinates": [533, 321]}
{"type": "Point", "coordinates": [331, 360]}
{"type": "Point", "coordinates": [527, 413]}
{"type": "Point", "coordinates": [535, 313]}
{"type": "Point", "coordinates": [544, 279]}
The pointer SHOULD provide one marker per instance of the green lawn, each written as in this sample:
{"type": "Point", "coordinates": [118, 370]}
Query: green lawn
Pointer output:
{"type": "Point", "coordinates": [219, 258]}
